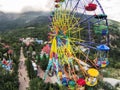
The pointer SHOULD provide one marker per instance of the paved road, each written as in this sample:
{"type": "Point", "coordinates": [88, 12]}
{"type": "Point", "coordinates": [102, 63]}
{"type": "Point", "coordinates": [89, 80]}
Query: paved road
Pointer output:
{"type": "Point", "coordinates": [23, 78]}
{"type": "Point", "coordinates": [112, 81]}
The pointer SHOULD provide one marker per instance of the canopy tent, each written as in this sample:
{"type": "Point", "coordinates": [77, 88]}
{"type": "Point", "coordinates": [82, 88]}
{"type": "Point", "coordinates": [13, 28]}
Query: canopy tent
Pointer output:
{"type": "Point", "coordinates": [46, 49]}
{"type": "Point", "coordinates": [103, 47]}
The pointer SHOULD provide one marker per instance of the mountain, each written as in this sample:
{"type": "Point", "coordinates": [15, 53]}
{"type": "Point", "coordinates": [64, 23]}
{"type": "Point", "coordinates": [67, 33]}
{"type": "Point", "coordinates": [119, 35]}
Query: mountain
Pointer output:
{"type": "Point", "coordinates": [10, 21]}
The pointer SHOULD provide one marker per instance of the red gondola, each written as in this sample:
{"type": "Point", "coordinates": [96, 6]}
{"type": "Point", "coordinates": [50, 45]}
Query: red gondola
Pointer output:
{"type": "Point", "coordinates": [57, 5]}
{"type": "Point", "coordinates": [57, 1]}
{"type": "Point", "coordinates": [81, 82]}
{"type": "Point", "coordinates": [91, 7]}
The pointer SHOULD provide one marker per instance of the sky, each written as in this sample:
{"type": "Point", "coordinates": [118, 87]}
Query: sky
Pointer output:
{"type": "Point", "coordinates": [111, 7]}
{"type": "Point", "coordinates": [21, 5]}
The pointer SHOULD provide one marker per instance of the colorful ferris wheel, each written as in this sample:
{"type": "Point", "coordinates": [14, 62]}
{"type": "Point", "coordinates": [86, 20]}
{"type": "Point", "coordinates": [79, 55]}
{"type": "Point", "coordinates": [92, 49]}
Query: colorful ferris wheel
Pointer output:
{"type": "Point", "coordinates": [78, 40]}
{"type": "Point", "coordinates": [83, 21]}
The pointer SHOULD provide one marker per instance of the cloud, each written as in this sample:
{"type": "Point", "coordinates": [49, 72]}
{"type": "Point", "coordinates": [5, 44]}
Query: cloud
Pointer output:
{"type": "Point", "coordinates": [23, 5]}
{"type": "Point", "coordinates": [28, 8]}
{"type": "Point", "coordinates": [111, 8]}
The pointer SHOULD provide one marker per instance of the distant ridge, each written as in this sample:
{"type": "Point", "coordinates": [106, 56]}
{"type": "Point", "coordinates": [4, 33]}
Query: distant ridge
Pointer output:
{"type": "Point", "coordinates": [10, 21]}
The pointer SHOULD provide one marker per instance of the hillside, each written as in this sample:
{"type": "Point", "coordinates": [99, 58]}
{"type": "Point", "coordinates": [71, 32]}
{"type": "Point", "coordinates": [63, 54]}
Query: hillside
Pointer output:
{"type": "Point", "coordinates": [114, 28]}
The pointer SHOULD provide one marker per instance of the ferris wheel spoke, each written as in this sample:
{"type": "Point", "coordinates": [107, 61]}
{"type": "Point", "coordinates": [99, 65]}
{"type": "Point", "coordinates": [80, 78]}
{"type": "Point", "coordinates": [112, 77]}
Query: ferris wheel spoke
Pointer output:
{"type": "Point", "coordinates": [75, 6]}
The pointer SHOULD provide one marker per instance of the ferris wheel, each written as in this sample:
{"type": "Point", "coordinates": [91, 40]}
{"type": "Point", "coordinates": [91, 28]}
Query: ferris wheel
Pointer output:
{"type": "Point", "coordinates": [83, 21]}
{"type": "Point", "coordinates": [91, 15]}
{"type": "Point", "coordinates": [78, 36]}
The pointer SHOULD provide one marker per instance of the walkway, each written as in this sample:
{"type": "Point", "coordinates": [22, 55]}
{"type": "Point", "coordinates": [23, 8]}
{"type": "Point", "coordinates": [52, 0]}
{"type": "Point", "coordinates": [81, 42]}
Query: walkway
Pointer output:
{"type": "Point", "coordinates": [23, 78]}
{"type": "Point", "coordinates": [112, 81]}
{"type": "Point", "coordinates": [48, 79]}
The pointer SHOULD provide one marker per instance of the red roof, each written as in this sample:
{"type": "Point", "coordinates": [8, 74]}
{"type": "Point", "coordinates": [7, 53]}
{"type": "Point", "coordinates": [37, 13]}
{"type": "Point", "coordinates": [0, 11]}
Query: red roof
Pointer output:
{"type": "Point", "coordinates": [4, 62]}
{"type": "Point", "coordinates": [46, 49]}
{"type": "Point", "coordinates": [6, 46]}
{"type": "Point", "coordinates": [10, 51]}
{"type": "Point", "coordinates": [27, 43]}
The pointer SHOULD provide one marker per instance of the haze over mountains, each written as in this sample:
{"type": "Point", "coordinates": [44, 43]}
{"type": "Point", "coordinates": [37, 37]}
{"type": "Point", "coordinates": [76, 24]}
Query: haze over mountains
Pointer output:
{"type": "Point", "coordinates": [16, 20]}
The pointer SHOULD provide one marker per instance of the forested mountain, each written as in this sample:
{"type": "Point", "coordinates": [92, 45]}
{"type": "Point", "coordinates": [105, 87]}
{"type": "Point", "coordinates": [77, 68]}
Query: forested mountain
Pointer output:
{"type": "Point", "coordinates": [114, 29]}
{"type": "Point", "coordinates": [18, 20]}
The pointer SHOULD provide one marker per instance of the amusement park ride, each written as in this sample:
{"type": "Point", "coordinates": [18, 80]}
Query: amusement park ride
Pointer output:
{"type": "Point", "coordinates": [78, 42]}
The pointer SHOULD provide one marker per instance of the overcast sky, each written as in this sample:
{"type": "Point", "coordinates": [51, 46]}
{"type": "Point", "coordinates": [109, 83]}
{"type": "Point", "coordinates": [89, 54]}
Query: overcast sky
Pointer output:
{"type": "Point", "coordinates": [21, 5]}
{"type": "Point", "coordinates": [111, 7]}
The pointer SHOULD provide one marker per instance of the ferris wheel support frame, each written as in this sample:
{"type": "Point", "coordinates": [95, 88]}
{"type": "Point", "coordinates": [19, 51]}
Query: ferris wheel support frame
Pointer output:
{"type": "Point", "coordinates": [106, 21]}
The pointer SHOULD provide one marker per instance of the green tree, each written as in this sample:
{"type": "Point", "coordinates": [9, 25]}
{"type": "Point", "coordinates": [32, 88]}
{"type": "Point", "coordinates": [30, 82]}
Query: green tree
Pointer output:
{"type": "Point", "coordinates": [44, 62]}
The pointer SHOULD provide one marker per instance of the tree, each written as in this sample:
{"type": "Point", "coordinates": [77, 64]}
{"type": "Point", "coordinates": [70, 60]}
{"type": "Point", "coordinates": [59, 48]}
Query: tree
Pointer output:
{"type": "Point", "coordinates": [44, 62]}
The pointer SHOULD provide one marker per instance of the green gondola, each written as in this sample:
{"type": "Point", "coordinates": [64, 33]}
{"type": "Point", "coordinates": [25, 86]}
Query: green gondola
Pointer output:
{"type": "Point", "coordinates": [62, 0]}
{"type": "Point", "coordinates": [101, 16]}
{"type": "Point", "coordinates": [101, 29]}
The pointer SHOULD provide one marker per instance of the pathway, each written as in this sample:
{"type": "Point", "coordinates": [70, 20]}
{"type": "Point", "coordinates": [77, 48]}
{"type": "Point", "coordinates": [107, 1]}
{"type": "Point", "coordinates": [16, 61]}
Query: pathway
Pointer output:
{"type": "Point", "coordinates": [112, 81]}
{"type": "Point", "coordinates": [23, 78]}
{"type": "Point", "coordinates": [48, 79]}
